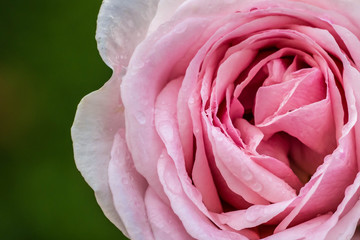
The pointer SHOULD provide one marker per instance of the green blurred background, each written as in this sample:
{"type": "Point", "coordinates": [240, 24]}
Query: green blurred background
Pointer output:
{"type": "Point", "coordinates": [48, 62]}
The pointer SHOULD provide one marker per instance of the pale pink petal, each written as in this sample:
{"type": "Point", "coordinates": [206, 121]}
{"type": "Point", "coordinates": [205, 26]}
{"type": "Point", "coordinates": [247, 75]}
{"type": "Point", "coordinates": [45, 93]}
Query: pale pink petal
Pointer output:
{"type": "Point", "coordinates": [227, 124]}
{"type": "Point", "coordinates": [331, 182]}
{"type": "Point", "coordinates": [194, 221]}
{"type": "Point", "coordinates": [164, 223]}
{"type": "Point", "coordinates": [277, 146]}
{"type": "Point", "coordinates": [300, 231]}
{"type": "Point", "coordinates": [166, 125]}
{"type": "Point", "coordinates": [314, 130]}
{"type": "Point", "coordinates": [165, 11]}
{"type": "Point", "coordinates": [352, 74]}
{"type": "Point", "coordinates": [279, 169]}
{"type": "Point", "coordinates": [351, 198]}
{"type": "Point", "coordinates": [128, 189]}
{"type": "Point", "coordinates": [304, 87]}
{"type": "Point", "coordinates": [328, 42]}
{"type": "Point", "coordinates": [229, 71]}
{"type": "Point", "coordinates": [346, 226]}
{"type": "Point", "coordinates": [99, 116]}
{"type": "Point", "coordinates": [115, 33]}
{"type": "Point", "coordinates": [351, 42]}
{"type": "Point", "coordinates": [234, 184]}
{"type": "Point", "coordinates": [250, 134]}
{"type": "Point", "coordinates": [230, 190]}
{"type": "Point", "coordinates": [253, 216]}
{"type": "Point", "coordinates": [145, 77]}
{"type": "Point", "coordinates": [246, 171]}
{"type": "Point", "coordinates": [344, 12]}
{"type": "Point", "coordinates": [201, 174]}
{"type": "Point", "coordinates": [277, 69]}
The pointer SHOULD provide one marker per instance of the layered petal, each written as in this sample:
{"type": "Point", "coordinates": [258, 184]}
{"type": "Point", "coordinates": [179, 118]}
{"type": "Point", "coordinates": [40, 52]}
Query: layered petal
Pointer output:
{"type": "Point", "coordinates": [99, 116]}
{"type": "Point", "coordinates": [128, 190]}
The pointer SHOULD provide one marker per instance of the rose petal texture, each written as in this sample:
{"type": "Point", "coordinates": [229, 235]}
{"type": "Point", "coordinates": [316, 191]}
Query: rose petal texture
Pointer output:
{"type": "Point", "coordinates": [226, 119]}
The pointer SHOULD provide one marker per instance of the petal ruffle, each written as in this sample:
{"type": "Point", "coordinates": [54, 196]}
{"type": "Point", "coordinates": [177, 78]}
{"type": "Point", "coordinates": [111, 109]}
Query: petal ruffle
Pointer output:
{"type": "Point", "coordinates": [98, 118]}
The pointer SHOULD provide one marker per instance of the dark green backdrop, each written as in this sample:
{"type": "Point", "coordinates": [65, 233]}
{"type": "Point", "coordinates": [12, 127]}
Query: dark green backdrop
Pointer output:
{"type": "Point", "coordinates": [48, 62]}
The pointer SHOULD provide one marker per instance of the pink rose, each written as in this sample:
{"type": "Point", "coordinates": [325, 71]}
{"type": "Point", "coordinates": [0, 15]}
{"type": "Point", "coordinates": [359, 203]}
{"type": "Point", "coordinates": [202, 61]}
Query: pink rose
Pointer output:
{"type": "Point", "coordinates": [227, 119]}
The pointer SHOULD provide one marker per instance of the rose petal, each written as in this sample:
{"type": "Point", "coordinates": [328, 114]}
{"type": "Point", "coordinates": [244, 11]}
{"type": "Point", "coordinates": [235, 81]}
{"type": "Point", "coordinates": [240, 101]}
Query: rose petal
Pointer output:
{"type": "Point", "coordinates": [331, 182]}
{"type": "Point", "coordinates": [201, 174]}
{"type": "Point", "coordinates": [165, 10]}
{"type": "Point", "coordinates": [166, 125]}
{"type": "Point", "coordinates": [141, 85]}
{"type": "Point", "coordinates": [342, 214]}
{"type": "Point", "coordinates": [305, 86]}
{"type": "Point", "coordinates": [346, 226]}
{"type": "Point", "coordinates": [344, 12]}
{"type": "Point", "coordinates": [279, 169]}
{"type": "Point", "coordinates": [315, 131]}
{"type": "Point", "coordinates": [246, 171]}
{"type": "Point", "coordinates": [194, 221]}
{"type": "Point", "coordinates": [128, 189]}
{"type": "Point", "coordinates": [300, 231]}
{"type": "Point", "coordinates": [253, 216]}
{"type": "Point", "coordinates": [164, 223]}
{"type": "Point", "coordinates": [115, 33]}
{"type": "Point", "coordinates": [98, 118]}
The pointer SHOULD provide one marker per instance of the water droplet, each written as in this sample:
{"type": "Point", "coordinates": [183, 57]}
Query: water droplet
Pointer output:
{"type": "Point", "coordinates": [172, 182]}
{"type": "Point", "coordinates": [257, 187]}
{"type": "Point", "coordinates": [215, 133]}
{"type": "Point", "coordinates": [166, 131]}
{"type": "Point", "coordinates": [341, 150]}
{"type": "Point", "coordinates": [191, 100]}
{"type": "Point", "coordinates": [125, 181]}
{"type": "Point", "coordinates": [140, 117]}
{"type": "Point", "coordinates": [246, 174]}
{"type": "Point", "coordinates": [253, 213]}
{"type": "Point", "coordinates": [121, 57]}
{"type": "Point", "coordinates": [180, 29]}
{"type": "Point", "coordinates": [138, 65]}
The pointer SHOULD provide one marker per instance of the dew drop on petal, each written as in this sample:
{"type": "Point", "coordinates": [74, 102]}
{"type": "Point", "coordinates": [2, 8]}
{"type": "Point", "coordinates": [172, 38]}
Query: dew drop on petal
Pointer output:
{"type": "Point", "coordinates": [257, 187]}
{"type": "Point", "coordinates": [181, 29]}
{"type": "Point", "coordinates": [166, 131]}
{"type": "Point", "coordinates": [140, 117]}
{"type": "Point", "coordinates": [138, 65]}
{"type": "Point", "coordinates": [246, 174]}
{"type": "Point", "coordinates": [191, 100]}
{"type": "Point", "coordinates": [253, 213]}
{"type": "Point", "coordinates": [172, 183]}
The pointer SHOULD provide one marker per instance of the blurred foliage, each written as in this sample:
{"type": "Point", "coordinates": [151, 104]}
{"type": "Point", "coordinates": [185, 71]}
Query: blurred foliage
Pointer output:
{"type": "Point", "coordinates": [48, 62]}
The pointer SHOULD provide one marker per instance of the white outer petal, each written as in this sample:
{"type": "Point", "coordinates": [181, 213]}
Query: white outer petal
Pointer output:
{"type": "Point", "coordinates": [121, 25]}
{"type": "Point", "coordinates": [99, 116]}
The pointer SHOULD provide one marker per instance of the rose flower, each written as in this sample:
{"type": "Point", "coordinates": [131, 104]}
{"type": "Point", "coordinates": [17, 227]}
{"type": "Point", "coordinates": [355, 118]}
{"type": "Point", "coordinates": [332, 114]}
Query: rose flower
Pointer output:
{"type": "Point", "coordinates": [226, 119]}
